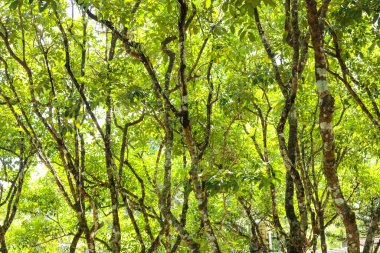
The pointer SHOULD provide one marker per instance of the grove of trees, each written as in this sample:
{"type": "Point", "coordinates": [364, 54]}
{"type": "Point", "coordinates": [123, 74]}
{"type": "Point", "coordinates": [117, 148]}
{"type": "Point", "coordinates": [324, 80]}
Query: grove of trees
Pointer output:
{"type": "Point", "coordinates": [180, 126]}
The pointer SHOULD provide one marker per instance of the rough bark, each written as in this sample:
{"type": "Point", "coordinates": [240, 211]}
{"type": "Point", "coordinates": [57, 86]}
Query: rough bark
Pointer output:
{"type": "Point", "coordinates": [112, 179]}
{"type": "Point", "coordinates": [3, 245]}
{"type": "Point", "coordinates": [74, 242]}
{"type": "Point", "coordinates": [322, 233]}
{"type": "Point", "coordinates": [326, 111]}
{"type": "Point", "coordinates": [186, 195]}
{"type": "Point", "coordinates": [371, 232]}
{"type": "Point", "coordinates": [297, 233]}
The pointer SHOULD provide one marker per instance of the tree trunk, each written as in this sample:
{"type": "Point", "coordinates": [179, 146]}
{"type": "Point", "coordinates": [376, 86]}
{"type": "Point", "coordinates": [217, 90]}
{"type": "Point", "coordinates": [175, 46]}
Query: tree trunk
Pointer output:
{"type": "Point", "coordinates": [74, 242]}
{"type": "Point", "coordinates": [90, 244]}
{"type": "Point", "coordinates": [294, 224]}
{"type": "Point", "coordinates": [3, 246]}
{"type": "Point", "coordinates": [372, 229]}
{"type": "Point", "coordinates": [83, 226]}
{"type": "Point", "coordinates": [116, 232]}
{"type": "Point", "coordinates": [255, 232]}
{"type": "Point", "coordinates": [326, 111]}
{"type": "Point", "coordinates": [322, 233]}
{"type": "Point", "coordinates": [202, 205]}
{"type": "Point", "coordinates": [297, 239]}
{"type": "Point", "coordinates": [315, 231]}
{"type": "Point", "coordinates": [377, 247]}
{"type": "Point", "coordinates": [166, 192]}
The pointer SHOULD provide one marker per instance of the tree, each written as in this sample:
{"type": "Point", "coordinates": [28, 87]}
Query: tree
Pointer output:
{"type": "Point", "coordinates": [180, 126]}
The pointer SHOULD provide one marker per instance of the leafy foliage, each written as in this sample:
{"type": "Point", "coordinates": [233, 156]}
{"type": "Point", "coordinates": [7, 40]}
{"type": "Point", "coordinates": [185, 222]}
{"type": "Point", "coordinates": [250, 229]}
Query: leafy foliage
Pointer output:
{"type": "Point", "coordinates": [155, 126]}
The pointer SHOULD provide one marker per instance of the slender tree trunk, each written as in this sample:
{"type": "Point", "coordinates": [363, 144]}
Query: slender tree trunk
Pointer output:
{"type": "Point", "coordinates": [326, 111]}
{"type": "Point", "coordinates": [256, 237]}
{"type": "Point", "coordinates": [83, 226]}
{"type": "Point", "coordinates": [294, 224]}
{"type": "Point", "coordinates": [3, 246]}
{"type": "Point", "coordinates": [315, 231]}
{"type": "Point", "coordinates": [322, 233]}
{"type": "Point", "coordinates": [195, 152]}
{"type": "Point", "coordinates": [377, 247]}
{"type": "Point", "coordinates": [116, 233]}
{"type": "Point", "coordinates": [297, 239]}
{"type": "Point", "coordinates": [372, 229]}
{"type": "Point", "coordinates": [166, 192]}
{"type": "Point", "coordinates": [202, 205]}
{"type": "Point", "coordinates": [74, 242]}
{"type": "Point", "coordinates": [90, 243]}
{"type": "Point", "coordinates": [185, 205]}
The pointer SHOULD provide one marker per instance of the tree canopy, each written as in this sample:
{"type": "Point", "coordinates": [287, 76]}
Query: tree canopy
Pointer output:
{"type": "Point", "coordinates": [189, 126]}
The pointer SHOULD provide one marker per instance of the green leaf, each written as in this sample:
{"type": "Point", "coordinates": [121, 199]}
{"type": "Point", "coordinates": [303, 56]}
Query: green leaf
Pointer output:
{"type": "Point", "coordinates": [207, 4]}
{"type": "Point", "coordinates": [232, 28]}
{"type": "Point", "coordinates": [54, 5]}
{"type": "Point", "coordinates": [254, 3]}
{"type": "Point", "coordinates": [225, 6]}
{"type": "Point", "coordinates": [270, 2]}
{"type": "Point", "coordinates": [250, 8]}
{"type": "Point", "coordinates": [238, 2]}
{"type": "Point", "coordinates": [251, 36]}
{"type": "Point", "coordinates": [14, 5]}
{"type": "Point", "coordinates": [242, 35]}
{"type": "Point", "coordinates": [233, 11]}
